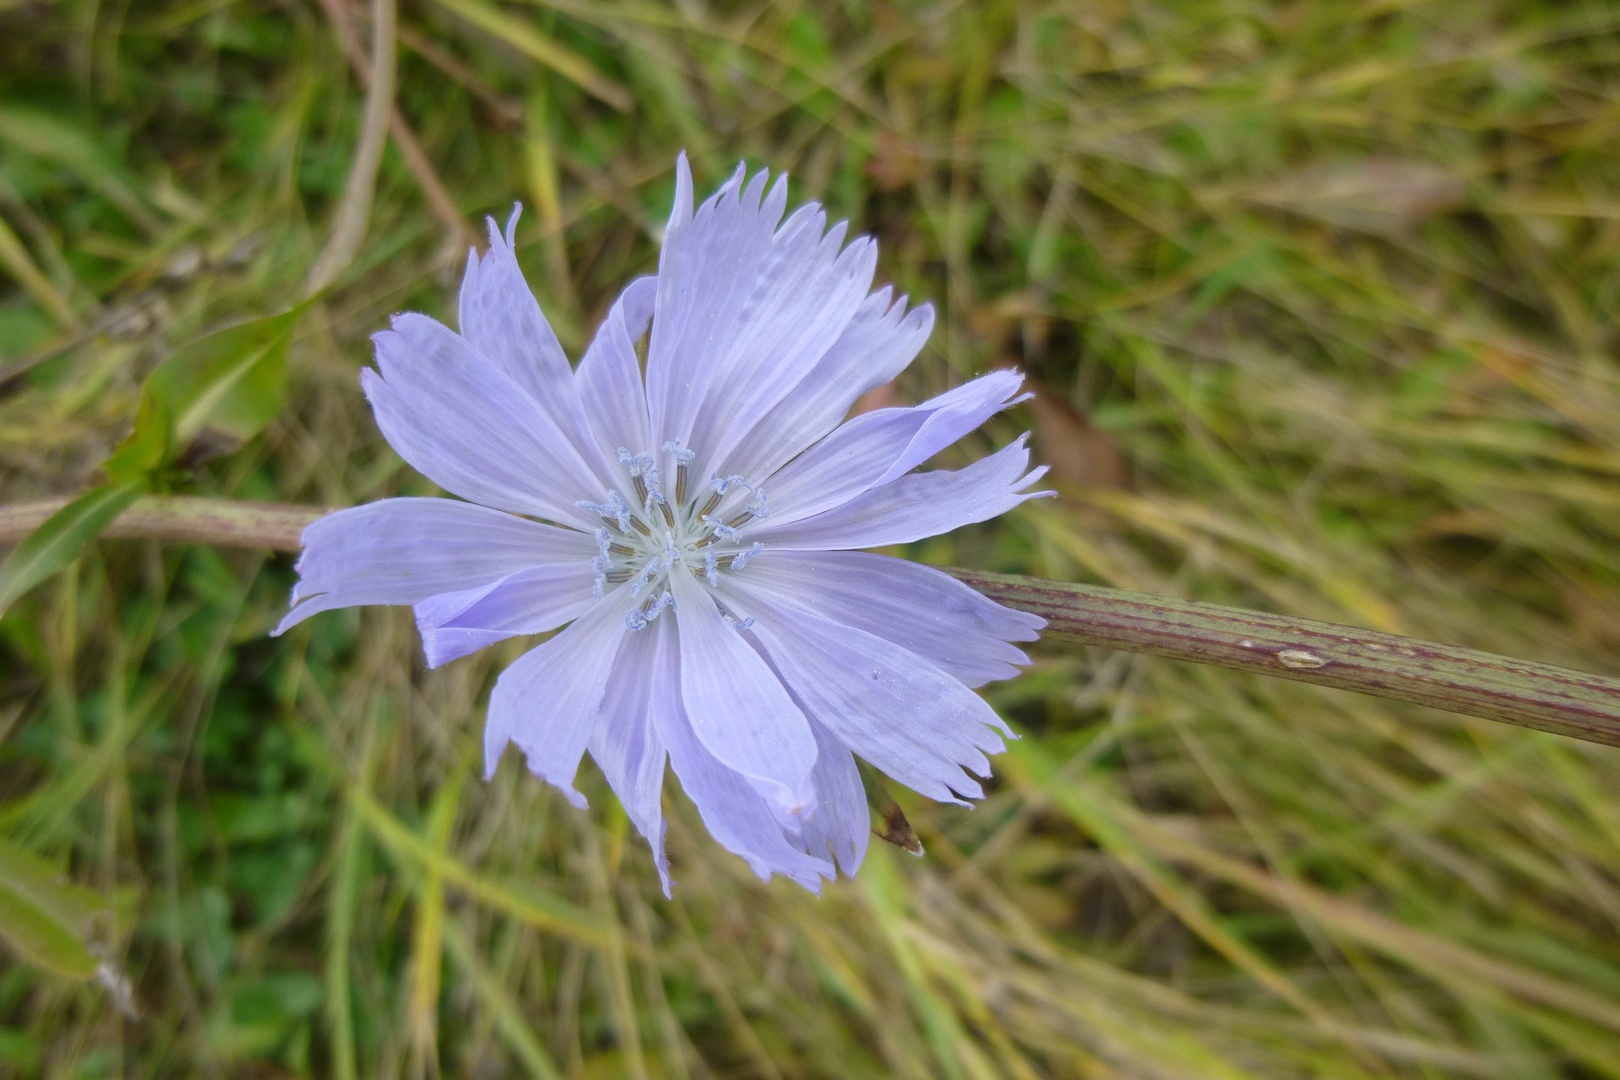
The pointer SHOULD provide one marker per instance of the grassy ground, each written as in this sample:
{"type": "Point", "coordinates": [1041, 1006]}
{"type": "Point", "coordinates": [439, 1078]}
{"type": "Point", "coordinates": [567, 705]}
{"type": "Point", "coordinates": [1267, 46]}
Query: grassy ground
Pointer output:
{"type": "Point", "coordinates": [1321, 296]}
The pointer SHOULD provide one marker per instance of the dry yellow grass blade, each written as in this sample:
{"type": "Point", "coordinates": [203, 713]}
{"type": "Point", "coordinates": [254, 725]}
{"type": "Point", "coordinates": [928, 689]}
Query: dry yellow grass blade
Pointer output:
{"type": "Point", "coordinates": [550, 914]}
{"type": "Point", "coordinates": [20, 265]}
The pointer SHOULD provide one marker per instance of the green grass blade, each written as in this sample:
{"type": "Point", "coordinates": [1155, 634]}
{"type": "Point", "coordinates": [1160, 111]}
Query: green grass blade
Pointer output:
{"type": "Point", "coordinates": [45, 918]}
{"type": "Point", "coordinates": [63, 535]}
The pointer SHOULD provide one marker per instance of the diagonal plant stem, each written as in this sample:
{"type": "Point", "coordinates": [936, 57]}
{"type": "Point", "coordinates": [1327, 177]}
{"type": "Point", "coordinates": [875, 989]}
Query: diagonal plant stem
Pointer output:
{"type": "Point", "coordinates": [354, 212]}
{"type": "Point", "coordinates": [1524, 692]}
{"type": "Point", "coordinates": [399, 129]}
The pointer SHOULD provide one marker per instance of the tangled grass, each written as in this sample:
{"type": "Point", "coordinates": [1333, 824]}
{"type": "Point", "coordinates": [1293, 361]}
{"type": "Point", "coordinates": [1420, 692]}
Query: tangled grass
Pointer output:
{"type": "Point", "coordinates": [1321, 299]}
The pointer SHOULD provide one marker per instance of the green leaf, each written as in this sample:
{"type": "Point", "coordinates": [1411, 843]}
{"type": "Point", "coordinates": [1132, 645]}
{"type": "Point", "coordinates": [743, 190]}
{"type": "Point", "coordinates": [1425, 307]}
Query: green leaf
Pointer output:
{"type": "Point", "coordinates": [146, 447]}
{"type": "Point", "coordinates": [233, 382]}
{"type": "Point", "coordinates": [63, 535]}
{"type": "Point", "coordinates": [45, 918]}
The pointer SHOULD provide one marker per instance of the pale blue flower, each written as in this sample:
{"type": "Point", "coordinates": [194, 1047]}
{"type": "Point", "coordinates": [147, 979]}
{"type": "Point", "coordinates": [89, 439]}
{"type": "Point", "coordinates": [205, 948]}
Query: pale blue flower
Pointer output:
{"type": "Point", "coordinates": [690, 532]}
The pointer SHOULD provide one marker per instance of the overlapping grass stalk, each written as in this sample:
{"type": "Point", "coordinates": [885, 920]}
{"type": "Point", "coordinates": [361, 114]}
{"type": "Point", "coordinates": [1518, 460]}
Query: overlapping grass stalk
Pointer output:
{"type": "Point", "coordinates": [1322, 301]}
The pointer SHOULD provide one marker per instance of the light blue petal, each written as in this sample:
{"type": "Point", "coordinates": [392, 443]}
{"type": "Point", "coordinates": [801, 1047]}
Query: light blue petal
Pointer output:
{"type": "Point", "coordinates": [502, 320]}
{"type": "Point", "coordinates": [913, 507]}
{"type": "Point", "coordinates": [402, 551]}
{"type": "Point", "coordinates": [802, 298]}
{"type": "Point", "coordinates": [873, 449]}
{"type": "Point", "coordinates": [609, 376]}
{"type": "Point", "coordinates": [916, 607]}
{"type": "Point", "coordinates": [471, 429]}
{"type": "Point", "coordinates": [626, 745]}
{"type": "Point", "coordinates": [738, 707]}
{"type": "Point", "coordinates": [896, 710]}
{"type": "Point", "coordinates": [548, 701]}
{"type": "Point", "coordinates": [879, 342]}
{"type": "Point", "coordinates": [732, 810]}
{"type": "Point", "coordinates": [529, 601]}
{"type": "Point", "coordinates": [706, 270]}
{"type": "Point", "coordinates": [842, 824]}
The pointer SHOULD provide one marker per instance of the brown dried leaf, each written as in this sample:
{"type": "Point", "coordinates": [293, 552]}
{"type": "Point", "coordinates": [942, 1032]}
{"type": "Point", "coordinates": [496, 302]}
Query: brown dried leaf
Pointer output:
{"type": "Point", "coordinates": [879, 397]}
{"type": "Point", "coordinates": [1079, 455]}
{"type": "Point", "coordinates": [893, 827]}
{"type": "Point", "coordinates": [1593, 611]}
{"type": "Point", "coordinates": [894, 163]}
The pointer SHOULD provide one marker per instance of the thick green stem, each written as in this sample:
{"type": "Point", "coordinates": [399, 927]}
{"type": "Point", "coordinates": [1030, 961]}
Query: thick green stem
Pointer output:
{"type": "Point", "coordinates": [1522, 692]}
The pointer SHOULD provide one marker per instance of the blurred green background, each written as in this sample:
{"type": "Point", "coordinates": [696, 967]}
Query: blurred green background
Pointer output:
{"type": "Point", "coordinates": [1320, 297]}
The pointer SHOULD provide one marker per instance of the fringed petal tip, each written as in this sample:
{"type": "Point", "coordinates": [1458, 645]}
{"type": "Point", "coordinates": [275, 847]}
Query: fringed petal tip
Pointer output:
{"type": "Point", "coordinates": [575, 799]}
{"type": "Point", "coordinates": [300, 611]}
{"type": "Point", "coordinates": [498, 235]}
{"type": "Point", "coordinates": [492, 762]}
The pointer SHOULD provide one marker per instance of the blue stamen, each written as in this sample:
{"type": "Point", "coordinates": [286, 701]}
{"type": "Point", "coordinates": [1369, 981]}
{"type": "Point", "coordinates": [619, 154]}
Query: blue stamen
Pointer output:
{"type": "Point", "coordinates": [682, 457]}
{"type": "Point", "coordinates": [614, 509]}
{"type": "Point", "coordinates": [720, 528]}
{"type": "Point", "coordinates": [638, 619]}
{"type": "Point", "coordinates": [739, 561]}
{"type": "Point", "coordinates": [649, 572]}
{"type": "Point", "coordinates": [711, 566]}
{"type": "Point", "coordinates": [640, 464]}
{"type": "Point", "coordinates": [735, 625]}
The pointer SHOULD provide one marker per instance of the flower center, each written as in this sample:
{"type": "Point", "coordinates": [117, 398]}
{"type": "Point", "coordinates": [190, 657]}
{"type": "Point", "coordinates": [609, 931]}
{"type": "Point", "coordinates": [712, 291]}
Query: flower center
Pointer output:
{"type": "Point", "coordinates": [646, 541]}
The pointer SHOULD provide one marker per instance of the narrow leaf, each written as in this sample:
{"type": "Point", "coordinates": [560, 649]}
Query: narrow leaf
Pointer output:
{"type": "Point", "coordinates": [43, 917]}
{"type": "Point", "coordinates": [60, 539]}
{"type": "Point", "coordinates": [148, 445]}
{"type": "Point", "coordinates": [233, 381]}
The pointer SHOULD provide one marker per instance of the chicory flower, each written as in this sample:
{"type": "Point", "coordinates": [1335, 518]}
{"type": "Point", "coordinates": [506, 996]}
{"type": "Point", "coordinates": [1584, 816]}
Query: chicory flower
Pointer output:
{"type": "Point", "coordinates": [691, 532]}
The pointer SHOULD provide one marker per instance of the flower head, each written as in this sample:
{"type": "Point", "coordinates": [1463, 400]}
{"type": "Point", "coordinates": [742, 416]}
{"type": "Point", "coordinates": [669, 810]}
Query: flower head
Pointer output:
{"type": "Point", "coordinates": [691, 532]}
